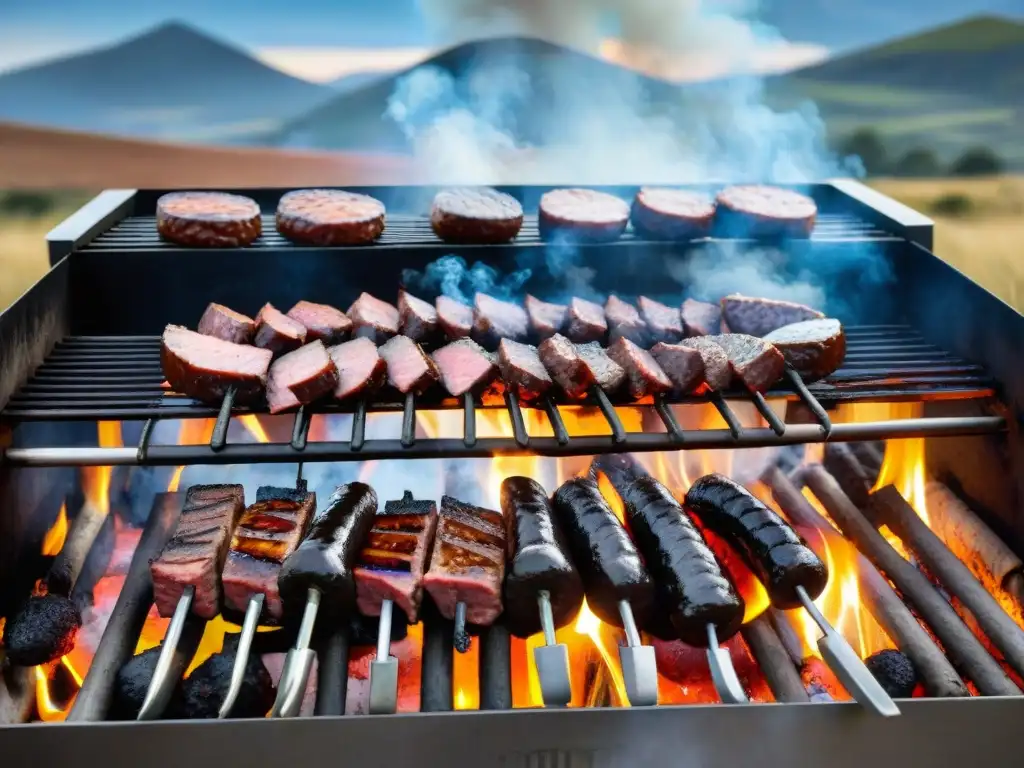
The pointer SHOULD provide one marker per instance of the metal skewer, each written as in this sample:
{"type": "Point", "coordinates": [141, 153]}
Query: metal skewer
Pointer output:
{"type": "Point", "coordinates": [245, 637]}
{"type": "Point", "coordinates": [551, 659]}
{"type": "Point", "coordinates": [639, 667]}
{"type": "Point", "coordinates": [461, 638]}
{"type": "Point", "coordinates": [723, 675]}
{"type": "Point", "coordinates": [384, 668]}
{"type": "Point", "coordinates": [847, 665]}
{"type": "Point", "coordinates": [298, 662]}
{"type": "Point", "coordinates": [161, 686]}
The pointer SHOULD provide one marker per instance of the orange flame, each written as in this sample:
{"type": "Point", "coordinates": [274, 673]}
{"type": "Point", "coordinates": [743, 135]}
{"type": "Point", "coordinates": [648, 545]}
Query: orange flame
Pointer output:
{"type": "Point", "coordinates": [254, 427]}
{"type": "Point", "coordinates": [466, 677]}
{"type": "Point", "coordinates": [47, 709]}
{"type": "Point", "coordinates": [191, 432]}
{"type": "Point", "coordinates": [588, 625]}
{"type": "Point", "coordinates": [175, 481]}
{"type": "Point", "coordinates": [96, 480]}
{"type": "Point", "coordinates": [53, 540]}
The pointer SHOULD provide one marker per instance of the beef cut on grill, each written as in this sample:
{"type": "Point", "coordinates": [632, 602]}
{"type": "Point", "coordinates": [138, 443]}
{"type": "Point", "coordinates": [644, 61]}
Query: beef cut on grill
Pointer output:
{"type": "Point", "coordinates": [494, 320]}
{"type": "Point", "coordinates": [375, 319]}
{"type": "Point", "coordinates": [267, 532]}
{"type": "Point", "coordinates": [663, 322]}
{"type": "Point", "coordinates": [468, 563]}
{"type": "Point", "coordinates": [759, 317]}
{"type": "Point", "coordinates": [454, 317]}
{"type": "Point", "coordinates": [586, 321]}
{"type": "Point", "coordinates": [417, 318]}
{"type": "Point", "coordinates": [226, 324]}
{"type": "Point", "coordinates": [392, 563]}
{"type": "Point", "coordinates": [465, 366]}
{"type": "Point", "coordinates": [608, 374]}
{"type": "Point", "coordinates": [522, 369]}
{"type": "Point", "coordinates": [278, 332]}
{"type": "Point", "coordinates": [195, 554]}
{"type": "Point", "coordinates": [624, 321]}
{"type": "Point", "coordinates": [329, 217]}
{"type": "Point", "coordinates": [410, 369]}
{"type": "Point", "coordinates": [717, 370]}
{"type": "Point", "coordinates": [643, 374]}
{"type": "Point", "coordinates": [582, 215]}
{"type": "Point", "coordinates": [301, 377]}
{"type": "Point", "coordinates": [684, 366]}
{"type": "Point", "coordinates": [476, 216]}
{"type": "Point", "coordinates": [208, 219]}
{"type": "Point", "coordinates": [546, 319]}
{"type": "Point", "coordinates": [815, 348]}
{"type": "Point", "coordinates": [361, 370]}
{"type": "Point", "coordinates": [322, 321]}
{"type": "Point", "coordinates": [206, 368]}
{"type": "Point", "coordinates": [755, 362]}
{"type": "Point", "coordinates": [562, 359]}
{"type": "Point", "coordinates": [762, 211]}
{"type": "Point", "coordinates": [701, 318]}
{"type": "Point", "coordinates": [672, 214]}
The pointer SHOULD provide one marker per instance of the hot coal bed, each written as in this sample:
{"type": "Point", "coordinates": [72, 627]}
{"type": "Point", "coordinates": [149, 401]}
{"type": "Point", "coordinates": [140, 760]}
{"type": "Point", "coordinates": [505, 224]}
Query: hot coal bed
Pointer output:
{"type": "Point", "coordinates": [901, 470]}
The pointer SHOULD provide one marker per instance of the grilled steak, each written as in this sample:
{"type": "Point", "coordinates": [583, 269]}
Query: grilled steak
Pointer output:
{"type": "Point", "coordinates": [392, 562]}
{"type": "Point", "coordinates": [717, 371]}
{"type": "Point", "coordinates": [494, 320]}
{"type": "Point", "coordinates": [208, 219]}
{"type": "Point", "coordinates": [582, 215]}
{"type": "Point", "coordinates": [417, 319]}
{"type": "Point", "coordinates": [226, 324]}
{"type": "Point", "coordinates": [546, 319]}
{"type": "Point", "coordinates": [762, 211]}
{"type": "Point", "coordinates": [465, 366]}
{"type": "Point", "coordinates": [375, 319]}
{"type": "Point", "coordinates": [266, 534]}
{"type": "Point", "coordinates": [468, 563]}
{"type": "Point", "coordinates": [522, 369]}
{"type": "Point", "coordinates": [278, 332]}
{"type": "Point", "coordinates": [454, 317]}
{"type": "Point", "coordinates": [586, 321]}
{"type": "Point", "coordinates": [754, 361]}
{"type": "Point", "coordinates": [322, 321]}
{"type": "Point", "coordinates": [664, 322]}
{"type": "Point", "coordinates": [328, 217]}
{"type": "Point", "coordinates": [624, 321]}
{"type": "Point", "coordinates": [194, 555]}
{"type": "Point", "coordinates": [701, 318]}
{"type": "Point", "coordinates": [643, 374]}
{"type": "Point", "coordinates": [608, 374]}
{"type": "Point", "coordinates": [684, 365]}
{"type": "Point", "coordinates": [360, 368]}
{"type": "Point", "coordinates": [206, 368]}
{"type": "Point", "coordinates": [815, 348]}
{"type": "Point", "coordinates": [672, 214]}
{"type": "Point", "coordinates": [410, 369]}
{"type": "Point", "coordinates": [562, 359]}
{"type": "Point", "coordinates": [759, 317]}
{"type": "Point", "coordinates": [300, 377]}
{"type": "Point", "coordinates": [476, 216]}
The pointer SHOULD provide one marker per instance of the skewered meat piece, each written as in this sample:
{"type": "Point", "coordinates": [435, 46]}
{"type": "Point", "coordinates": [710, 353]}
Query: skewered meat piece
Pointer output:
{"type": "Point", "coordinates": [208, 219]}
{"type": "Point", "coordinates": [701, 318]}
{"type": "Point", "coordinates": [375, 319]}
{"type": "Point", "coordinates": [206, 368]}
{"type": "Point", "coordinates": [410, 369]}
{"type": "Point", "coordinates": [717, 371]}
{"type": "Point", "coordinates": [417, 318]}
{"type": "Point", "coordinates": [625, 322]}
{"type": "Point", "coordinates": [815, 348]}
{"type": "Point", "coordinates": [454, 317]}
{"type": "Point", "coordinates": [643, 374]}
{"type": "Point", "coordinates": [755, 362]}
{"type": "Point", "coordinates": [582, 215]}
{"type": "Point", "coordinates": [562, 359]}
{"type": "Point", "coordinates": [321, 321]}
{"type": "Point", "coordinates": [522, 369]}
{"type": "Point", "coordinates": [329, 217]}
{"type": "Point", "coordinates": [762, 211]}
{"type": "Point", "coordinates": [301, 377]}
{"type": "Point", "coordinates": [663, 321]}
{"type": "Point", "coordinates": [684, 366]}
{"type": "Point", "coordinates": [278, 332]}
{"type": "Point", "coordinates": [759, 317]}
{"type": "Point", "coordinates": [586, 321]}
{"type": "Point", "coordinates": [225, 324]}
{"type": "Point", "coordinates": [494, 320]}
{"type": "Point", "coordinates": [361, 370]}
{"type": "Point", "coordinates": [465, 366]}
{"type": "Point", "coordinates": [546, 319]}
{"type": "Point", "coordinates": [608, 374]}
{"type": "Point", "coordinates": [483, 216]}
{"type": "Point", "coordinates": [672, 214]}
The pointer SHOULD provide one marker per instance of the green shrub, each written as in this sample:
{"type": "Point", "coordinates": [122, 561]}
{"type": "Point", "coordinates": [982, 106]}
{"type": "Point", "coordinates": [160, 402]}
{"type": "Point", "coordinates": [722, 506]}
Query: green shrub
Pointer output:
{"type": "Point", "coordinates": [952, 204]}
{"type": "Point", "coordinates": [25, 203]}
{"type": "Point", "coordinates": [977, 161]}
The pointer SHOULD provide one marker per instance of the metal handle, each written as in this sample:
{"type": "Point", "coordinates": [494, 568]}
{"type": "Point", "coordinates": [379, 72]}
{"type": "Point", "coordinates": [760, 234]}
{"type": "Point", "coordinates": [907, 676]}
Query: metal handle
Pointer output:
{"type": "Point", "coordinates": [249, 627]}
{"type": "Point", "coordinates": [551, 659]}
{"type": "Point", "coordinates": [723, 674]}
{"type": "Point", "coordinates": [384, 668]}
{"type": "Point", "coordinates": [639, 666]}
{"type": "Point", "coordinates": [161, 686]}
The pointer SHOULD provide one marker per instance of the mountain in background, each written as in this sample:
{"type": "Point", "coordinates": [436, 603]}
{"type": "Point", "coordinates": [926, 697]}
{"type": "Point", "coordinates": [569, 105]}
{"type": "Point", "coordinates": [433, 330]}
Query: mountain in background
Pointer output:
{"type": "Point", "coordinates": [351, 82]}
{"type": "Point", "coordinates": [170, 82]}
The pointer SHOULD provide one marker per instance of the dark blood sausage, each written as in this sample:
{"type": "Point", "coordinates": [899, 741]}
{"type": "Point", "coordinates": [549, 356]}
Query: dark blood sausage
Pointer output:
{"type": "Point", "coordinates": [672, 214]}
{"type": "Point", "coordinates": [606, 558]}
{"type": "Point", "coordinates": [762, 211]}
{"type": "Point", "coordinates": [582, 215]}
{"type": "Point", "coordinates": [375, 319]}
{"type": "Point", "coordinates": [774, 552]}
{"type": "Point", "coordinates": [586, 321]}
{"type": "Point", "coordinates": [494, 320]}
{"type": "Point", "coordinates": [684, 366]}
{"type": "Point", "coordinates": [322, 321]}
{"type": "Point", "coordinates": [300, 377]}
{"type": "Point", "coordinates": [226, 324]}
{"type": "Point", "coordinates": [546, 319]}
{"type": "Point", "coordinates": [538, 559]}
{"type": "Point", "coordinates": [471, 216]}
{"type": "Point", "coordinates": [329, 217]}
{"type": "Point", "coordinates": [206, 368]}
{"type": "Point", "coordinates": [562, 360]}
{"type": "Point", "coordinates": [717, 371]}
{"type": "Point", "coordinates": [755, 362]}
{"type": "Point", "coordinates": [759, 317]}
{"type": "Point", "coordinates": [465, 366]}
{"type": "Point", "coordinates": [663, 322]}
{"type": "Point", "coordinates": [454, 317]}
{"type": "Point", "coordinates": [624, 321]}
{"type": "Point", "coordinates": [643, 374]}
{"type": "Point", "coordinates": [815, 348]}
{"type": "Point", "coordinates": [208, 219]}
{"type": "Point", "coordinates": [410, 369]}
{"type": "Point", "coordinates": [679, 559]}
{"type": "Point", "coordinates": [417, 318]}
{"type": "Point", "coordinates": [326, 556]}
{"type": "Point", "coordinates": [361, 369]}
{"type": "Point", "coordinates": [701, 318]}
{"type": "Point", "coordinates": [278, 332]}
{"type": "Point", "coordinates": [522, 369]}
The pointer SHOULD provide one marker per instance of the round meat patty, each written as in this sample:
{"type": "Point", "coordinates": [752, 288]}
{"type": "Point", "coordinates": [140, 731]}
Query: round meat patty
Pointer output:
{"type": "Point", "coordinates": [208, 219]}
{"type": "Point", "coordinates": [582, 215]}
{"type": "Point", "coordinates": [329, 217]}
{"type": "Point", "coordinates": [672, 214]}
{"type": "Point", "coordinates": [476, 216]}
{"type": "Point", "coordinates": [762, 211]}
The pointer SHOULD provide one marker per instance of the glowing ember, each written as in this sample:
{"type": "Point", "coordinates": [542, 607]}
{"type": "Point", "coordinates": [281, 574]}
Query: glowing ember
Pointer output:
{"type": "Point", "coordinates": [466, 677]}
{"type": "Point", "coordinates": [53, 541]}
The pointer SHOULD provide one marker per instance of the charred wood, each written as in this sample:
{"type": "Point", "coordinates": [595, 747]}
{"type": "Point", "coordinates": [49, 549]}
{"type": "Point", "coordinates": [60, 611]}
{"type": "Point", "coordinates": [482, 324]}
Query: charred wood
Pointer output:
{"type": "Point", "coordinates": [774, 660]}
{"type": "Point", "coordinates": [332, 674]}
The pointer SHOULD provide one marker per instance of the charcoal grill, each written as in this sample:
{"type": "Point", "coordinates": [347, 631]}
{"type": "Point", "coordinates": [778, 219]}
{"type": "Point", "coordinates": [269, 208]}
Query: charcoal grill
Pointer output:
{"type": "Point", "coordinates": [83, 346]}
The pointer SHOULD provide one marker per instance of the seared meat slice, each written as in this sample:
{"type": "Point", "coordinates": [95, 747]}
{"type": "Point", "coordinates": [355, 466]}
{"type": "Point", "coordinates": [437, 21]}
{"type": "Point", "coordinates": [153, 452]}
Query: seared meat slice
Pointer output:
{"type": "Point", "coordinates": [465, 366]}
{"type": "Point", "coordinates": [672, 214]}
{"type": "Point", "coordinates": [665, 322]}
{"type": "Point", "coordinates": [608, 374]}
{"type": "Point", "coordinates": [756, 210]}
{"type": "Point", "coordinates": [562, 359]}
{"type": "Point", "coordinates": [375, 319]}
{"type": "Point", "coordinates": [226, 324]}
{"type": "Point", "coordinates": [684, 365]}
{"type": "Point", "coordinates": [329, 217]}
{"type": "Point", "coordinates": [717, 371]}
{"type": "Point", "coordinates": [701, 318]}
{"type": "Point", "coordinates": [206, 368]}
{"type": "Point", "coordinates": [208, 219]}
{"type": "Point", "coordinates": [476, 216]}
{"type": "Point", "coordinates": [417, 318]}
{"type": "Point", "coordinates": [410, 369]}
{"type": "Point", "coordinates": [300, 377]}
{"type": "Point", "coordinates": [624, 321]}
{"type": "Point", "coordinates": [815, 348]}
{"type": "Point", "coordinates": [454, 317]}
{"type": "Point", "coordinates": [361, 370]}
{"type": "Point", "coordinates": [494, 320]}
{"type": "Point", "coordinates": [758, 317]}
{"type": "Point", "coordinates": [643, 373]}
{"type": "Point", "coordinates": [586, 321]}
{"type": "Point", "coordinates": [322, 321]}
{"type": "Point", "coordinates": [522, 369]}
{"type": "Point", "coordinates": [278, 332]}
{"type": "Point", "coordinates": [546, 319]}
{"type": "Point", "coordinates": [581, 215]}
{"type": "Point", "coordinates": [754, 361]}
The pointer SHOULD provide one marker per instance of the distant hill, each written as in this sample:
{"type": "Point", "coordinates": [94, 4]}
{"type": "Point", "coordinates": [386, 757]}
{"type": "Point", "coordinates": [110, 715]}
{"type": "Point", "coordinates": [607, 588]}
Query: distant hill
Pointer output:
{"type": "Point", "coordinates": [169, 82]}
{"type": "Point", "coordinates": [347, 83]}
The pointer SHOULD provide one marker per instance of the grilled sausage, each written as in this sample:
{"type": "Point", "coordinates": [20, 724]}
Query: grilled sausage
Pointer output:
{"type": "Point", "coordinates": [608, 562]}
{"type": "Point", "coordinates": [326, 556]}
{"type": "Point", "coordinates": [695, 589]}
{"type": "Point", "coordinates": [537, 560]}
{"type": "Point", "coordinates": [770, 547]}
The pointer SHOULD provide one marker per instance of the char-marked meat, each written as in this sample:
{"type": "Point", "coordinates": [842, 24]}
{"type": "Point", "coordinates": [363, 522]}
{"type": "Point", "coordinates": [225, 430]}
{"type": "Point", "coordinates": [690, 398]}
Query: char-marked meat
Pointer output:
{"type": "Point", "coordinates": [643, 374]}
{"type": "Point", "coordinates": [454, 317]}
{"type": "Point", "coordinates": [468, 563]}
{"type": "Point", "coordinates": [375, 319]}
{"type": "Point", "coordinates": [684, 366]}
{"type": "Point", "coordinates": [755, 362]}
{"type": "Point", "coordinates": [672, 214]}
{"type": "Point", "coordinates": [494, 320]}
{"type": "Point", "coordinates": [608, 374]}
{"type": "Point", "coordinates": [329, 217]}
{"type": "Point", "coordinates": [756, 210]}
{"type": "Point", "coordinates": [195, 554]}
{"type": "Point", "coordinates": [226, 324]}
{"type": "Point", "coordinates": [624, 321]}
{"type": "Point", "coordinates": [562, 360]}
{"type": "Point", "coordinates": [208, 219]}
{"type": "Point", "coordinates": [664, 322]}
{"type": "Point", "coordinates": [322, 321]}
{"type": "Point", "coordinates": [392, 563]}
{"type": "Point", "coordinates": [759, 317]}
{"type": "Point", "coordinates": [586, 321]}
{"type": "Point", "coordinates": [465, 366]}
{"type": "Point", "coordinates": [545, 318]}
{"type": "Point", "coordinates": [301, 377]}
{"type": "Point", "coordinates": [205, 368]}
{"type": "Point", "coordinates": [410, 369]}
{"type": "Point", "coordinates": [417, 318]}
{"type": "Point", "coordinates": [815, 348]}
{"type": "Point", "coordinates": [521, 369]}
{"type": "Point", "coordinates": [701, 318]}
{"type": "Point", "coordinates": [278, 332]}
{"type": "Point", "coordinates": [361, 369]}
{"type": "Point", "coordinates": [267, 532]}
{"type": "Point", "coordinates": [581, 215]}
{"type": "Point", "coordinates": [468, 215]}
{"type": "Point", "coordinates": [717, 370]}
